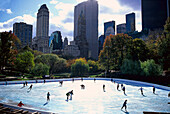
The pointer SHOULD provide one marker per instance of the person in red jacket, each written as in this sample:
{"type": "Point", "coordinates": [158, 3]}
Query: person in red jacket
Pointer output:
{"type": "Point", "coordinates": [20, 104]}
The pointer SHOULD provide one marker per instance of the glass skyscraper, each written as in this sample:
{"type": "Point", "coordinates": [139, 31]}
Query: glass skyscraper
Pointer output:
{"type": "Point", "coordinates": [87, 30]}
{"type": "Point", "coordinates": [154, 13]}
{"type": "Point", "coordinates": [130, 22]}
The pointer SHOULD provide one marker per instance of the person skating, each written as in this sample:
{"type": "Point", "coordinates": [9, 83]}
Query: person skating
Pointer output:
{"type": "Point", "coordinates": [48, 96]}
{"type": "Point", "coordinates": [20, 104]}
{"type": "Point", "coordinates": [124, 105]}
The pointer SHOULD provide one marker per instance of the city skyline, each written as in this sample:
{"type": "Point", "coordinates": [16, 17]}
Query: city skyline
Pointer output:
{"type": "Point", "coordinates": [62, 14]}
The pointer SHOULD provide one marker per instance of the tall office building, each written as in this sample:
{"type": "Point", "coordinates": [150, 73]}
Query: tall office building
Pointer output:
{"type": "Point", "coordinates": [65, 42]}
{"type": "Point", "coordinates": [87, 30]}
{"type": "Point", "coordinates": [55, 42]}
{"type": "Point", "coordinates": [121, 28]}
{"type": "Point", "coordinates": [42, 30]}
{"type": "Point", "coordinates": [109, 28]}
{"type": "Point", "coordinates": [130, 22]}
{"type": "Point", "coordinates": [154, 13]}
{"type": "Point", "coordinates": [101, 42]}
{"type": "Point", "coordinates": [24, 32]}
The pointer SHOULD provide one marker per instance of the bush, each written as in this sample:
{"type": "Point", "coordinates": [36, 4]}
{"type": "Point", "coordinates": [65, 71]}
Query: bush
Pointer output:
{"type": "Point", "coordinates": [93, 66]}
{"type": "Point", "coordinates": [80, 67]}
{"type": "Point", "coordinates": [149, 68]}
{"type": "Point", "coordinates": [40, 69]}
{"type": "Point", "coordinates": [131, 67]}
{"type": "Point", "coordinates": [146, 68]}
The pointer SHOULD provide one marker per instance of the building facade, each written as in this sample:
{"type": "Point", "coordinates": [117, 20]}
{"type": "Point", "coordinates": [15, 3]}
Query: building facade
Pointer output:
{"type": "Point", "coordinates": [109, 28]}
{"type": "Point", "coordinates": [121, 28]}
{"type": "Point", "coordinates": [72, 49]}
{"type": "Point", "coordinates": [154, 13]}
{"type": "Point", "coordinates": [130, 22]}
{"type": "Point", "coordinates": [24, 32]}
{"type": "Point", "coordinates": [55, 42]}
{"type": "Point", "coordinates": [101, 42]}
{"type": "Point", "coordinates": [42, 30]}
{"type": "Point", "coordinates": [89, 28]}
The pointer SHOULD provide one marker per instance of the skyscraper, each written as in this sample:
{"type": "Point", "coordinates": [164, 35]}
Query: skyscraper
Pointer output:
{"type": "Point", "coordinates": [42, 29]}
{"type": "Point", "coordinates": [121, 28]}
{"type": "Point", "coordinates": [24, 32]}
{"type": "Point", "coordinates": [55, 41]}
{"type": "Point", "coordinates": [154, 13]}
{"type": "Point", "coordinates": [130, 22]}
{"type": "Point", "coordinates": [109, 28]}
{"type": "Point", "coordinates": [65, 42]}
{"type": "Point", "coordinates": [88, 30]}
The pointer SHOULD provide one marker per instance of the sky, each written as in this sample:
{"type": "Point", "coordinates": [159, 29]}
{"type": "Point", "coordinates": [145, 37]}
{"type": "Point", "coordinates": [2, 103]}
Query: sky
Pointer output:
{"type": "Point", "coordinates": [62, 14]}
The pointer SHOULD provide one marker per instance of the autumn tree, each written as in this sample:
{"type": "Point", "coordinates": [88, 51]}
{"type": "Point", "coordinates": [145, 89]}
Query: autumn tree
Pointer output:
{"type": "Point", "coordinates": [8, 49]}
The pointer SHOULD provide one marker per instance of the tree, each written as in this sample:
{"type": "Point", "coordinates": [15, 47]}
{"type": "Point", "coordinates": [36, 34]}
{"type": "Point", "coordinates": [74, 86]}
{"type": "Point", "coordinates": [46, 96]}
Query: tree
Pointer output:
{"type": "Point", "coordinates": [93, 66]}
{"type": "Point", "coordinates": [40, 69]}
{"type": "Point", "coordinates": [115, 49]}
{"type": "Point", "coordinates": [139, 50]}
{"type": "Point", "coordinates": [131, 67]}
{"type": "Point", "coordinates": [8, 49]}
{"type": "Point", "coordinates": [80, 67]}
{"type": "Point", "coordinates": [24, 61]}
{"type": "Point", "coordinates": [53, 61]}
{"type": "Point", "coordinates": [164, 46]}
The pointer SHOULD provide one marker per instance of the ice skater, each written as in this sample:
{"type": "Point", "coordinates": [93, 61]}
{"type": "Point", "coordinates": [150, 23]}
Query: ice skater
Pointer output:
{"type": "Point", "coordinates": [141, 89]}
{"type": "Point", "coordinates": [103, 87]}
{"type": "Point", "coordinates": [94, 80]}
{"type": "Point", "coordinates": [48, 96]}
{"type": "Point", "coordinates": [124, 105]}
{"type": "Point", "coordinates": [117, 86]}
{"type": "Point", "coordinates": [82, 86]}
{"type": "Point", "coordinates": [121, 85]}
{"type": "Point", "coordinates": [20, 104]}
{"type": "Point", "coordinates": [153, 90]}
{"type": "Point", "coordinates": [30, 87]}
{"type": "Point", "coordinates": [123, 88]}
{"type": "Point", "coordinates": [72, 80]}
{"type": "Point", "coordinates": [61, 83]}
{"type": "Point", "coordinates": [26, 83]}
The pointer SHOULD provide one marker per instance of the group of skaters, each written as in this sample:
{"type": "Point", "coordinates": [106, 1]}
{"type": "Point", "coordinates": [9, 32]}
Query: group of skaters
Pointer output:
{"type": "Point", "coordinates": [70, 93]}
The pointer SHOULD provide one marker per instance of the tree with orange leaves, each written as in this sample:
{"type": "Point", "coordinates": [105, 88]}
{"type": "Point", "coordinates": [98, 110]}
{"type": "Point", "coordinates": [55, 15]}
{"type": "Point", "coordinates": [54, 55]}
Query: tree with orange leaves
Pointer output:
{"type": "Point", "coordinates": [8, 49]}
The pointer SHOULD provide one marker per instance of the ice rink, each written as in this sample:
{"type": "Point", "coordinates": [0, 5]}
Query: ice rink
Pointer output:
{"type": "Point", "coordinates": [91, 100]}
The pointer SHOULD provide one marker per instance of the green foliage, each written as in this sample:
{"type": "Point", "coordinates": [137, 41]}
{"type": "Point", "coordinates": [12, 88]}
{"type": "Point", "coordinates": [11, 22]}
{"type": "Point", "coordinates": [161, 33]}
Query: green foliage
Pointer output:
{"type": "Point", "coordinates": [131, 67]}
{"type": "Point", "coordinates": [164, 46]}
{"type": "Point", "coordinates": [139, 50]}
{"type": "Point", "coordinates": [79, 68]}
{"type": "Point", "coordinates": [8, 49]}
{"type": "Point", "coordinates": [40, 69]}
{"type": "Point", "coordinates": [146, 68]}
{"type": "Point", "coordinates": [55, 63]}
{"type": "Point", "coordinates": [149, 68]}
{"type": "Point", "coordinates": [115, 49]}
{"type": "Point", "coordinates": [93, 66]}
{"type": "Point", "coordinates": [24, 61]}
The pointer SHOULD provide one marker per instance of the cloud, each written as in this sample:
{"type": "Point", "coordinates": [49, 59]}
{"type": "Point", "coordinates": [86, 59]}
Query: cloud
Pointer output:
{"type": "Point", "coordinates": [134, 4]}
{"type": "Point", "coordinates": [9, 11]}
{"type": "Point", "coordinates": [53, 2]}
{"type": "Point", "coordinates": [8, 25]}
